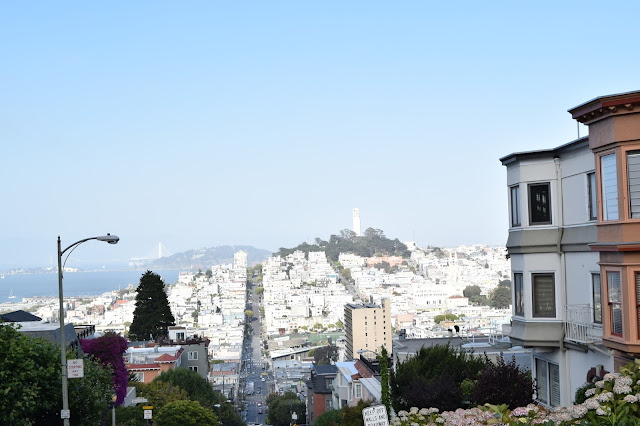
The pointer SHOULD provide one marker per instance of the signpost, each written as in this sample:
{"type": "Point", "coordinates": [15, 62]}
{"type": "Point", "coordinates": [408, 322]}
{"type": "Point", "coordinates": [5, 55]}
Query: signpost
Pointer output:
{"type": "Point", "coordinates": [375, 416]}
{"type": "Point", "coordinates": [148, 413]}
{"type": "Point", "coordinates": [139, 400]}
{"type": "Point", "coordinates": [75, 368]}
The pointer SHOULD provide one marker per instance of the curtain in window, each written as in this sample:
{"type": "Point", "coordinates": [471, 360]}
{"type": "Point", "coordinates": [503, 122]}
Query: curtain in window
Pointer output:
{"type": "Point", "coordinates": [544, 298]}
{"type": "Point", "coordinates": [633, 178]}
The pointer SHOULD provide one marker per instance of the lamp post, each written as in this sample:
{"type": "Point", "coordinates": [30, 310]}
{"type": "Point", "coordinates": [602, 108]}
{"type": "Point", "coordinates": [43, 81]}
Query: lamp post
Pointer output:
{"type": "Point", "coordinates": [111, 239]}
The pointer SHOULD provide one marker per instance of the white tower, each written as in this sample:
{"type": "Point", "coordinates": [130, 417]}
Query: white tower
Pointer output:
{"type": "Point", "coordinates": [356, 221]}
{"type": "Point", "coordinates": [240, 259]}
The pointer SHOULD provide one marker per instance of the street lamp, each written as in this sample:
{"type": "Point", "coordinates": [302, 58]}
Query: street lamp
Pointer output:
{"type": "Point", "coordinates": [219, 418]}
{"type": "Point", "coordinates": [111, 239]}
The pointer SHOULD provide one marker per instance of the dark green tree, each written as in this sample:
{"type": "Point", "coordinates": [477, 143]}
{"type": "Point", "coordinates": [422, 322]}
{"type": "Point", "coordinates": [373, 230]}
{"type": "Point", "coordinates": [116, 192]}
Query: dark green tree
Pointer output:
{"type": "Point", "coordinates": [152, 315]}
{"type": "Point", "coordinates": [326, 355]}
{"type": "Point", "coordinates": [383, 359]}
{"type": "Point", "coordinates": [185, 413]}
{"type": "Point", "coordinates": [433, 378]}
{"type": "Point", "coordinates": [329, 418]}
{"type": "Point", "coordinates": [472, 290]}
{"type": "Point", "coordinates": [281, 408]}
{"type": "Point", "coordinates": [500, 298]}
{"type": "Point", "coordinates": [30, 383]}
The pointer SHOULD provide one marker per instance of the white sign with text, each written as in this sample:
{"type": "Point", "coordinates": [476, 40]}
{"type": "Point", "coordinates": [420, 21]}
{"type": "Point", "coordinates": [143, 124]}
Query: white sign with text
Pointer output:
{"type": "Point", "coordinates": [75, 368]}
{"type": "Point", "coordinates": [375, 416]}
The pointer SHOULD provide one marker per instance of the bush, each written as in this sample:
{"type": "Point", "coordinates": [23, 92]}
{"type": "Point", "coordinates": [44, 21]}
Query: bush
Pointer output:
{"type": "Point", "coordinates": [580, 396]}
{"type": "Point", "coordinates": [503, 383]}
{"type": "Point", "coordinates": [433, 378]}
{"type": "Point", "coordinates": [329, 418]}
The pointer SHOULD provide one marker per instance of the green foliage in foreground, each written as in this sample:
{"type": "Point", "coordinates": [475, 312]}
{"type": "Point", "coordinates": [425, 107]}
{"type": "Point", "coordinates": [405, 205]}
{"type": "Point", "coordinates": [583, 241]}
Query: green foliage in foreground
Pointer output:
{"type": "Point", "coordinates": [185, 413]}
{"type": "Point", "coordinates": [30, 383]}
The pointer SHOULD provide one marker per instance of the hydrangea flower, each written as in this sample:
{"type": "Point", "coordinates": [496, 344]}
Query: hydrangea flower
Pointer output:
{"type": "Point", "coordinates": [631, 399]}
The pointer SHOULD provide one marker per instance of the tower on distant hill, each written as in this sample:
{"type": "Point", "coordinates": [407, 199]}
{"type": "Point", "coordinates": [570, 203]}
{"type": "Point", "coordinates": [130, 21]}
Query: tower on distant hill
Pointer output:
{"type": "Point", "coordinates": [356, 221]}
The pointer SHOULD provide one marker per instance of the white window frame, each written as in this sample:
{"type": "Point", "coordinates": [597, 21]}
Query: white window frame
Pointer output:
{"type": "Point", "coordinates": [139, 375]}
{"type": "Point", "coordinates": [193, 356]}
{"type": "Point", "coordinates": [547, 382]}
{"type": "Point", "coordinates": [609, 178]}
{"type": "Point", "coordinates": [358, 391]}
{"type": "Point", "coordinates": [518, 288]}
{"type": "Point", "coordinates": [533, 222]}
{"type": "Point", "coordinates": [596, 297]}
{"type": "Point", "coordinates": [193, 368]}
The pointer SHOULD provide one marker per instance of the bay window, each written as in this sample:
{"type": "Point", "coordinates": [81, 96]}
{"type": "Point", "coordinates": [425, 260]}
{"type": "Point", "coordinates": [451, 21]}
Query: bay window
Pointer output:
{"type": "Point", "coordinates": [539, 204]}
{"type": "Point", "coordinates": [614, 292]}
{"type": "Point", "coordinates": [609, 187]}
{"type": "Point", "coordinates": [544, 295]}
{"type": "Point", "coordinates": [517, 293]}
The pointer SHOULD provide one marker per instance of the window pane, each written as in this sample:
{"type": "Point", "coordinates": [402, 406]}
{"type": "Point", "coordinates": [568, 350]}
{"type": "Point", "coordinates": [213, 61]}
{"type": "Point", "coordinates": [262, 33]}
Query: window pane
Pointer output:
{"type": "Point", "coordinates": [638, 298]}
{"type": "Point", "coordinates": [593, 203]}
{"type": "Point", "coordinates": [609, 187]}
{"type": "Point", "coordinates": [542, 381]}
{"type": "Point", "coordinates": [518, 296]}
{"type": "Point", "coordinates": [544, 298]}
{"type": "Point", "coordinates": [633, 179]}
{"type": "Point", "coordinates": [597, 299]}
{"type": "Point", "coordinates": [614, 289]}
{"type": "Point", "coordinates": [515, 206]}
{"type": "Point", "coordinates": [615, 299]}
{"type": "Point", "coordinates": [539, 203]}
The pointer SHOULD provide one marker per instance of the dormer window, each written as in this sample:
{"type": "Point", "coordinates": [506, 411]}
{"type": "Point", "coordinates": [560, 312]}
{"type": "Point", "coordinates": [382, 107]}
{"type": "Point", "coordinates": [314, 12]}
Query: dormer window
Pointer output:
{"type": "Point", "coordinates": [539, 204]}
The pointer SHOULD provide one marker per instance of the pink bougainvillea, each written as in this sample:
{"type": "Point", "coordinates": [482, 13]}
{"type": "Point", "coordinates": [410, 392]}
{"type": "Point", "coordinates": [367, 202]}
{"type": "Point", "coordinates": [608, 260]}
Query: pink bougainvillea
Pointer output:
{"type": "Point", "coordinates": [108, 350]}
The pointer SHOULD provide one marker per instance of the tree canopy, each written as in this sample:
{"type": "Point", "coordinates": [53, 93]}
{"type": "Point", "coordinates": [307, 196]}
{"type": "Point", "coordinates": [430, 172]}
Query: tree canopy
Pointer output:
{"type": "Point", "coordinates": [325, 355]}
{"type": "Point", "coordinates": [30, 383]}
{"type": "Point", "coordinates": [152, 315]}
{"type": "Point", "coordinates": [185, 413]}
{"type": "Point", "coordinates": [108, 350]}
{"type": "Point", "coordinates": [281, 407]}
{"type": "Point", "coordinates": [500, 298]}
{"type": "Point", "coordinates": [373, 242]}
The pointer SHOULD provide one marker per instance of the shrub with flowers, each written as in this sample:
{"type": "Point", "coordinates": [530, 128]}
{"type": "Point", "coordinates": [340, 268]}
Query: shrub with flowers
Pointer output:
{"type": "Point", "coordinates": [613, 401]}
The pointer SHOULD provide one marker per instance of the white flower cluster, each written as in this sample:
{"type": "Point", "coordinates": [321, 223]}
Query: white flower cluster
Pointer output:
{"type": "Point", "coordinates": [590, 392]}
{"type": "Point", "coordinates": [631, 399]}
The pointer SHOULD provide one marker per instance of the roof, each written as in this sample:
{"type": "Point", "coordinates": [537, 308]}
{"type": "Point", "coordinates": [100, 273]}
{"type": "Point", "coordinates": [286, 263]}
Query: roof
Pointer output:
{"type": "Point", "coordinates": [166, 358]}
{"type": "Point", "coordinates": [373, 386]}
{"type": "Point", "coordinates": [152, 366]}
{"type": "Point", "coordinates": [602, 105]}
{"type": "Point", "coordinates": [325, 369]}
{"type": "Point", "coordinates": [19, 316]}
{"type": "Point", "coordinates": [545, 153]}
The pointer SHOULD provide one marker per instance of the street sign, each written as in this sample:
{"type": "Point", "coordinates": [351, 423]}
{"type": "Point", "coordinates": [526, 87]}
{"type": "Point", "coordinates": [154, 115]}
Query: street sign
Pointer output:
{"type": "Point", "coordinates": [65, 414]}
{"type": "Point", "coordinates": [139, 400]}
{"type": "Point", "coordinates": [375, 416]}
{"type": "Point", "coordinates": [148, 407]}
{"type": "Point", "coordinates": [75, 368]}
{"type": "Point", "coordinates": [148, 414]}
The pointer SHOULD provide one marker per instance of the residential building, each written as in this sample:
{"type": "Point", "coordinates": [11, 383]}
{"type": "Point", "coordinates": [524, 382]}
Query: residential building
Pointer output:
{"type": "Point", "coordinates": [149, 362]}
{"type": "Point", "coordinates": [367, 327]}
{"type": "Point", "coordinates": [574, 244]}
{"type": "Point", "coordinates": [354, 382]}
{"type": "Point", "coordinates": [319, 391]}
{"type": "Point", "coordinates": [614, 138]}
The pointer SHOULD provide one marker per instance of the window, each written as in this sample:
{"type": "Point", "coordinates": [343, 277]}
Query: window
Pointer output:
{"type": "Point", "coordinates": [519, 298]}
{"type": "Point", "coordinates": [609, 187]}
{"type": "Point", "coordinates": [614, 291]}
{"type": "Point", "coordinates": [597, 298]}
{"type": "Point", "coordinates": [544, 295]}
{"type": "Point", "coordinates": [593, 202]}
{"type": "Point", "coordinates": [358, 391]}
{"type": "Point", "coordinates": [548, 382]}
{"type": "Point", "coordinates": [139, 376]}
{"type": "Point", "coordinates": [193, 368]}
{"type": "Point", "coordinates": [193, 356]}
{"type": "Point", "coordinates": [539, 204]}
{"type": "Point", "coordinates": [633, 180]}
{"type": "Point", "coordinates": [179, 336]}
{"type": "Point", "coordinates": [515, 206]}
{"type": "Point", "coordinates": [638, 298]}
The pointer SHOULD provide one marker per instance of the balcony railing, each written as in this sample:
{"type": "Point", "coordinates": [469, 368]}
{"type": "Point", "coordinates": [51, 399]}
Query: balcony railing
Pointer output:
{"type": "Point", "coordinates": [578, 325]}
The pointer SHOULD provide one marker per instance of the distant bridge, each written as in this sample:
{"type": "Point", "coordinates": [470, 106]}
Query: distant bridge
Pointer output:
{"type": "Point", "coordinates": [153, 255]}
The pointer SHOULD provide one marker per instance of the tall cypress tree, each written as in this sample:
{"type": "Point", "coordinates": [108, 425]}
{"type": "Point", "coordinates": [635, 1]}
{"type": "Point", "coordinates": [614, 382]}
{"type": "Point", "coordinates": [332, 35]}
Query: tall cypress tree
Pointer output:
{"type": "Point", "coordinates": [152, 315]}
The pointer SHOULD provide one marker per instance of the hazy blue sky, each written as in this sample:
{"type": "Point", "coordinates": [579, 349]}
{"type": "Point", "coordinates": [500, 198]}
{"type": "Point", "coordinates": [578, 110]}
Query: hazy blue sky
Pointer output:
{"type": "Point", "coordinates": [264, 123]}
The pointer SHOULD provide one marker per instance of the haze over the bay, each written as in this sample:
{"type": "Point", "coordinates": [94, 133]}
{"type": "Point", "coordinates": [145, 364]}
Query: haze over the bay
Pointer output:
{"type": "Point", "coordinates": [266, 123]}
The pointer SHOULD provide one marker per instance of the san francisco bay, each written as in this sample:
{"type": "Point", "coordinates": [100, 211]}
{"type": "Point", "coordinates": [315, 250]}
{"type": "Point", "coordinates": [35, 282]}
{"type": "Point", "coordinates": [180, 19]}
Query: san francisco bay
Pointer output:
{"type": "Point", "coordinates": [75, 283]}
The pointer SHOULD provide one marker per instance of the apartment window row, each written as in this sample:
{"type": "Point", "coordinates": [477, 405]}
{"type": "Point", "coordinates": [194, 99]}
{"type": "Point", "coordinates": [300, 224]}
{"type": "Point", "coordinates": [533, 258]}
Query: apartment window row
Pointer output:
{"type": "Point", "coordinates": [540, 200]}
{"type": "Point", "coordinates": [544, 298]}
{"type": "Point", "coordinates": [608, 170]}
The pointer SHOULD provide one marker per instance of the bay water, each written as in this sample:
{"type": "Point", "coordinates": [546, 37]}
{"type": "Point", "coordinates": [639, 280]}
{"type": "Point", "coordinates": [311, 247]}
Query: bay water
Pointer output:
{"type": "Point", "coordinates": [75, 283]}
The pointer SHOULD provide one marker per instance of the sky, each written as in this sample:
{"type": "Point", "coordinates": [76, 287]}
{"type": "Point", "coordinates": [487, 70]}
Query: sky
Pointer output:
{"type": "Point", "coordinates": [205, 123]}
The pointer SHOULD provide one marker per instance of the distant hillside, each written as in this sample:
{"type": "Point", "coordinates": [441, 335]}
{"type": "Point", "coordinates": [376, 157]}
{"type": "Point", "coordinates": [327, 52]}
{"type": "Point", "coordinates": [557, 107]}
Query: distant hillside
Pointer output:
{"type": "Point", "coordinates": [204, 258]}
{"type": "Point", "coordinates": [372, 242]}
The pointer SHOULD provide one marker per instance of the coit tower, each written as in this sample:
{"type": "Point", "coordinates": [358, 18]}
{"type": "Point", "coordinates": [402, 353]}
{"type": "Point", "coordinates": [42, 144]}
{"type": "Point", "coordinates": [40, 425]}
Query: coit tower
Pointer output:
{"type": "Point", "coordinates": [356, 221]}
